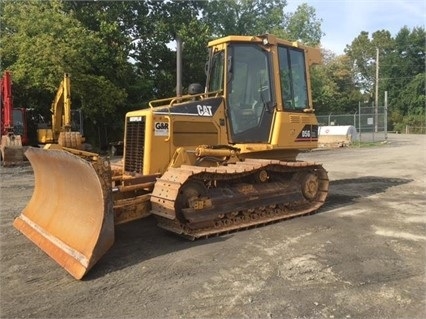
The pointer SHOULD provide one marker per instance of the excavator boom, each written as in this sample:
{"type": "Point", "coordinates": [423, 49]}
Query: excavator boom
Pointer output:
{"type": "Point", "coordinates": [6, 103]}
{"type": "Point", "coordinates": [61, 107]}
{"type": "Point", "coordinates": [11, 144]}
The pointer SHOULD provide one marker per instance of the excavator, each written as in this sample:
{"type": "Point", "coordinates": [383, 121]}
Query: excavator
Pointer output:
{"type": "Point", "coordinates": [219, 159]}
{"type": "Point", "coordinates": [60, 133]}
{"type": "Point", "coordinates": [12, 152]}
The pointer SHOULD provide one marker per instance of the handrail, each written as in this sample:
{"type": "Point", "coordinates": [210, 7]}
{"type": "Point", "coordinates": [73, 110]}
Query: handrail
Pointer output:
{"type": "Point", "coordinates": [154, 104]}
{"type": "Point", "coordinates": [170, 128]}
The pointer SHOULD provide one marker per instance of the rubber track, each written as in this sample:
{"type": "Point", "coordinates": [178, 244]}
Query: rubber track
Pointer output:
{"type": "Point", "coordinates": [167, 189]}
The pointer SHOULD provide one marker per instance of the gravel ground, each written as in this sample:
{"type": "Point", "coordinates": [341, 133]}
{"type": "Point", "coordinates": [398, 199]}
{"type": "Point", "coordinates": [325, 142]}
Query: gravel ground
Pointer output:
{"type": "Point", "coordinates": [362, 255]}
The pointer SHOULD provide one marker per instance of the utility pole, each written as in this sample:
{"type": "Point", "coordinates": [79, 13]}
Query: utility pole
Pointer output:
{"type": "Point", "coordinates": [376, 98]}
{"type": "Point", "coordinates": [386, 115]}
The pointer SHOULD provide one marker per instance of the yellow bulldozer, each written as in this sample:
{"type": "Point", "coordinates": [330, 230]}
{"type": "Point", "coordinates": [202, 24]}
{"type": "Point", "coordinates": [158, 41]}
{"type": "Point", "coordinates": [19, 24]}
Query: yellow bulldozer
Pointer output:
{"type": "Point", "coordinates": [219, 159]}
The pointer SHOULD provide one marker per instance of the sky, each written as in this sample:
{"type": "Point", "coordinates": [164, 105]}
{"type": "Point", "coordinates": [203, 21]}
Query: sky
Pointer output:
{"type": "Point", "coordinates": [343, 20]}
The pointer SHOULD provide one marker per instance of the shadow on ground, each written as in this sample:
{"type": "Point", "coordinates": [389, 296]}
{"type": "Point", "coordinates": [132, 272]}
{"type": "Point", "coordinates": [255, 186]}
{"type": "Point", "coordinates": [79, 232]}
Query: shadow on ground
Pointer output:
{"type": "Point", "coordinates": [346, 191]}
{"type": "Point", "coordinates": [142, 240]}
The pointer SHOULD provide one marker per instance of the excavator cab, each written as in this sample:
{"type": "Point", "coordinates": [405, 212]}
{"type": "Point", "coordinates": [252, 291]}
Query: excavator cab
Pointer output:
{"type": "Point", "coordinates": [204, 164]}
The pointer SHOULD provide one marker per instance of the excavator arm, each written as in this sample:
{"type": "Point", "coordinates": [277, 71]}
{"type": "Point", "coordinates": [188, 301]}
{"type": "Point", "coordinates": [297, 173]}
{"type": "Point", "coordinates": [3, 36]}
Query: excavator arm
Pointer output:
{"type": "Point", "coordinates": [6, 104]}
{"type": "Point", "coordinates": [11, 144]}
{"type": "Point", "coordinates": [61, 108]}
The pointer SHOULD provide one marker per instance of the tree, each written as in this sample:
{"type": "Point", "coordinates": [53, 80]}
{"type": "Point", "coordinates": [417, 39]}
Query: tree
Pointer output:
{"type": "Point", "coordinates": [40, 42]}
{"type": "Point", "coordinates": [362, 53]}
{"type": "Point", "coordinates": [401, 71]}
{"type": "Point", "coordinates": [303, 25]}
{"type": "Point", "coordinates": [243, 17]}
{"type": "Point", "coordinates": [334, 90]}
{"type": "Point", "coordinates": [180, 19]}
{"type": "Point", "coordinates": [255, 17]}
{"type": "Point", "coordinates": [148, 28]}
{"type": "Point", "coordinates": [120, 53]}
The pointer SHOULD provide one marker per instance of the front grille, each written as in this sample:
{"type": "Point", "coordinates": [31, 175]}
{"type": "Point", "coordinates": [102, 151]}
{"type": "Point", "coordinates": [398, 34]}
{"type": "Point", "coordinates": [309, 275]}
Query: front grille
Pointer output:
{"type": "Point", "coordinates": [135, 143]}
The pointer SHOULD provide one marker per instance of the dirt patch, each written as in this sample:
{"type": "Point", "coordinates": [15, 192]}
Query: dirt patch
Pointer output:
{"type": "Point", "coordinates": [362, 256]}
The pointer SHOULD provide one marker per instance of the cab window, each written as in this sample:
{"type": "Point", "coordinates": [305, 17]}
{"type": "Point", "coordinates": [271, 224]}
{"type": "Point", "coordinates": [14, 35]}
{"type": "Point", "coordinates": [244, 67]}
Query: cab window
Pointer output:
{"type": "Point", "coordinates": [294, 87]}
{"type": "Point", "coordinates": [216, 74]}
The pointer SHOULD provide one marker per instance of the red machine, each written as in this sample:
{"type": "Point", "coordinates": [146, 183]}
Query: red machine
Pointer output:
{"type": "Point", "coordinates": [6, 104]}
{"type": "Point", "coordinates": [11, 141]}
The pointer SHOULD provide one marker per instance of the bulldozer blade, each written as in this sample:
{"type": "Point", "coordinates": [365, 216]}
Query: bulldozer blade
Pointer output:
{"type": "Point", "coordinates": [70, 215]}
{"type": "Point", "coordinates": [12, 152]}
{"type": "Point", "coordinates": [12, 156]}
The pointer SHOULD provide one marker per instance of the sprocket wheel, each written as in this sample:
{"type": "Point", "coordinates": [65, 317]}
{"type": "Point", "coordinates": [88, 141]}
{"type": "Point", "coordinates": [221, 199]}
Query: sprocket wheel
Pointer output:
{"type": "Point", "coordinates": [310, 186]}
{"type": "Point", "coordinates": [190, 190]}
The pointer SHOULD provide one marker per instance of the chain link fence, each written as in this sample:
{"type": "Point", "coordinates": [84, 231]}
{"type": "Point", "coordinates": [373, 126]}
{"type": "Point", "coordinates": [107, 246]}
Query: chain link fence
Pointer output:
{"type": "Point", "coordinates": [370, 123]}
{"type": "Point", "coordinates": [415, 129]}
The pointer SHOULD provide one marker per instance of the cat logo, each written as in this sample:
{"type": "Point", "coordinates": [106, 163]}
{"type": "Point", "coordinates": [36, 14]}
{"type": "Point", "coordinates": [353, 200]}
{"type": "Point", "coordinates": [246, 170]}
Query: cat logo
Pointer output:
{"type": "Point", "coordinates": [204, 110]}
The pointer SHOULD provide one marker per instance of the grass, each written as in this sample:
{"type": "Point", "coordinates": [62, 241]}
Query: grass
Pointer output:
{"type": "Point", "coordinates": [368, 144]}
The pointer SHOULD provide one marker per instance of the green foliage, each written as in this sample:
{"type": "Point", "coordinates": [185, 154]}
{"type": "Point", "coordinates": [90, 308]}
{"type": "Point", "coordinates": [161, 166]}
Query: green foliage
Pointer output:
{"type": "Point", "coordinates": [416, 123]}
{"type": "Point", "coordinates": [359, 144]}
{"type": "Point", "coordinates": [243, 17]}
{"type": "Point", "coordinates": [303, 25]}
{"type": "Point", "coordinates": [194, 52]}
{"type": "Point", "coordinates": [254, 17]}
{"type": "Point", "coordinates": [362, 54]}
{"type": "Point", "coordinates": [40, 42]}
{"type": "Point", "coordinates": [334, 90]}
{"type": "Point", "coordinates": [121, 55]}
{"type": "Point", "coordinates": [401, 71]}
{"type": "Point", "coordinates": [414, 95]}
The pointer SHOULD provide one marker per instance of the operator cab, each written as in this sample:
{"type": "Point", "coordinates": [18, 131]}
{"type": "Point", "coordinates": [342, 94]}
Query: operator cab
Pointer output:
{"type": "Point", "coordinates": [243, 68]}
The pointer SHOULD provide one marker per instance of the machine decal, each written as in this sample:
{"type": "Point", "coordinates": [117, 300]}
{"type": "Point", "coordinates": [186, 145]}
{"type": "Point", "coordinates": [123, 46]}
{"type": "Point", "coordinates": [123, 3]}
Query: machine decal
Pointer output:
{"type": "Point", "coordinates": [207, 107]}
{"type": "Point", "coordinates": [135, 119]}
{"type": "Point", "coordinates": [161, 129]}
{"type": "Point", "coordinates": [204, 110]}
{"type": "Point", "coordinates": [309, 133]}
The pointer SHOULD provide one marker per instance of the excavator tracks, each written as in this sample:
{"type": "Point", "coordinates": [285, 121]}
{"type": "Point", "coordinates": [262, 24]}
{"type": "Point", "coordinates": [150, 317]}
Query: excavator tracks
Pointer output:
{"type": "Point", "coordinates": [200, 202]}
